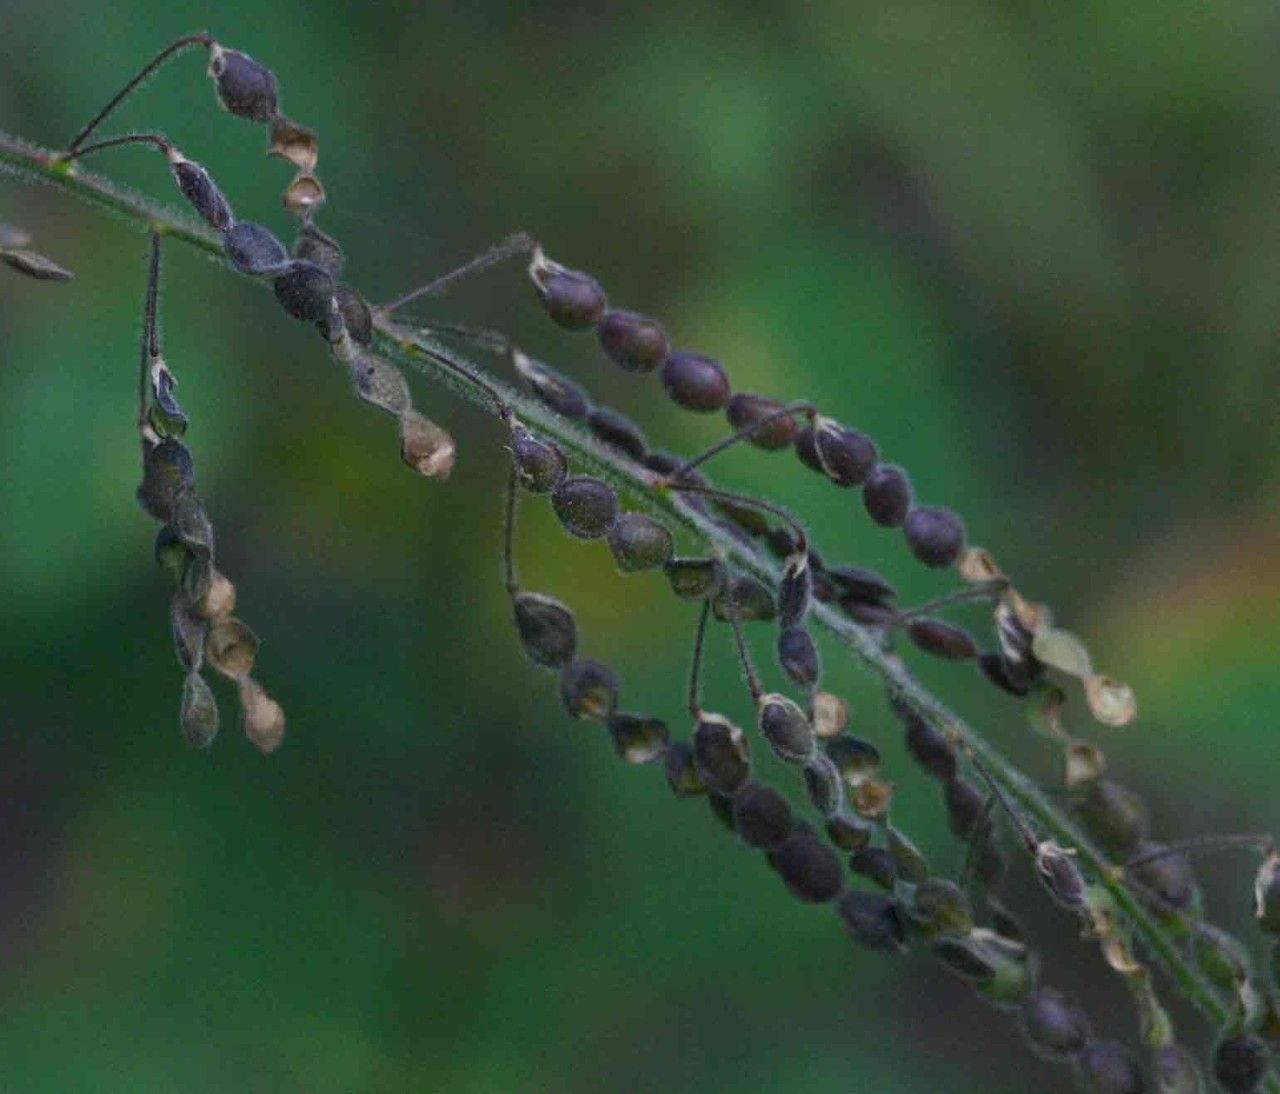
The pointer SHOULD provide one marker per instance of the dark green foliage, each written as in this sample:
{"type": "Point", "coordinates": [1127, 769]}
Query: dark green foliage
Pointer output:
{"type": "Point", "coordinates": [874, 920]}
{"type": "Point", "coordinates": [720, 754]}
{"type": "Point", "coordinates": [822, 783]}
{"type": "Point", "coordinates": [936, 536]}
{"type": "Point", "coordinates": [304, 290]}
{"type": "Point", "coordinates": [589, 690]}
{"type": "Point", "coordinates": [941, 639]}
{"type": "Point", "coordinates": [681, 771]}
{"type": "Point", "coordinates": [618, 432]}
{"type": "Point", "coordinates": [875, 864]}
{"type": "Point", "coordinates": [808, 867]}
{"type": "Point", "coordinates": [1053, 1023]}
{"type": "Point", "coordinates": [1240, 1063]}
{"type": "Point", "coordinates": [887, 495]}
{"type": "Point", "coordinates": [586, 507]}
{"type": "Point", "coordinates": [639, 542]}
{"type": "Point", "coordinates": [252, 249]}
{"type": "Point", "coordinates": [244, 87]}
{"type": "Point", "coordinates": [540, 465]}
{"type": "Point", "coordinates": [695, 382]}
{"type": "Point", "coordinates": [1112, 814]}
{"type": "Point", "coordinates": [547, 629]}
{"type": "Point", "coordinates": [784, 725]}
{"type": "Point", "coordinates": [1106, 1067]}
{"type": "Point", "coordinates": [798, 656]}
{"type": "Point", "coordinates": [637, 738]}
{"type": "Point", "coordinates": [752, 601]}
{"type": "Point", "coordinates": [745, 410]}
{"type": "Point", "coordinates": [693, 578]}
{"type": "Point", "coordinates": [761, 815]}
{"type": "Point", "coordinates": [635, 342]}
{"type": "Point", "coordinates": [202, 192]}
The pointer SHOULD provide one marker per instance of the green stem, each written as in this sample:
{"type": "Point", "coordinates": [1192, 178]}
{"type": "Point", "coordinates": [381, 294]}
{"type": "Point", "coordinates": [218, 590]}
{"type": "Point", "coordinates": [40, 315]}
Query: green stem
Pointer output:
{"type": "Point", "coordinates": [417, 349]}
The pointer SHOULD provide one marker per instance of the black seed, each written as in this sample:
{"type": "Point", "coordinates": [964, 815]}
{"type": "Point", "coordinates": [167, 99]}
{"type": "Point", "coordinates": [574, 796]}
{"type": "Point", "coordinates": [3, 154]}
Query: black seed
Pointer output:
{"type": "Point", "coordinates": [244, 87]}
{"type": "Point", "coordinates": [636, 342]}
{"type": "Point", "coordinates": [822, 784]}
{"type": "Point", "coordinates": [808, 867]}
{"type": "Point", "coordinates": [807, 450]}
{"type": "Point", "coordinates": [857, 759]}
{"type": "Point", "coordinates": [875, 864]}
{"type": "Point", "coordinates": [750, 599]}
{"type": "Point", "coordinates": [617, 431]}
{"type": "Point", "coordinates": [966, 808]}
{"type": "Point", "coordinates": [695, 382]}
{"type": "Point", "coordinates": [745, 517]}
{"type": "Point", "coordinates": [1112, 814]}
{"type": "Point", "coordinates": [319, 248]}
{"type": "Point", "coordinates": [547, 629]}
{"type": "Point", "coordinates": [1054, 1024]}
{"type": "Point", "coordinates": [1060, 874]}
{"type": "Point", "coordinates": [745, 410]}
{"type": "Point", "coordinates": [936, 536]}
{"type": "Point", "coordinates": [586, 507]}
{"type": "Point", "coordinates": [681, 772]}
{"type": "Point", "coordinates": [639, 542]}
{"type": "Point", "coordinates": [720, 754]}
{"type": "Point", "coordinates": [722, 810]}
{"type": "Point", "coordinates": [996, 669]}
{"type": "Point", "coordinates": [573, 300]}
{"type": "Point", "coordinates": [1170, 877]}
{"type": "Point", "coordinates": [304, 291]}
{"type": "Point", "coordinates": [799, 657]}
{"type": "Point", "coordinates": [202, 192]}
{"type": "Point", "coordinates": [1240, 1063]}
{"type": "Point", "coordinates": [845, 456]}
{"type": "Point", "coordinates": [761, 815]}
{"type": "Point", "coordinates": [558, 392]}
{"type": "Point", "coordinates": [784, 725]}
{"type": "Point", "coordinates": [849, 832]}
{"type": "Point", "coordinates": [638, 739]}
{"type": "Point", "coordinates": [795, 590]}
{"type": "Point", "coordinates": [167, 473]}
{"type": "Point", "coordinates": [1106, 1067]}
{"type": "Point", "coordinates": [693, 578]}
{"type": "Point", "coordinates": [874, 920]}
{"type": "Point", "coordinates": [252, 249]}
{"type": "Point", "coordinates": [540, 465]}
{"type": "Point", "coordinates": [887, 495]}
{"type": "Point", "coordinates": [869, 615]}
{"type": "Point", "coordinates": [589, 690]}
{"type": "Point", "coordinates": [939, 905]}
{"type": "Point", "coordinates": [930, 749]}
{"type": "Point", "coordinates": [941, 639]}
{"type": "Point", "coordinates": [860, 584]}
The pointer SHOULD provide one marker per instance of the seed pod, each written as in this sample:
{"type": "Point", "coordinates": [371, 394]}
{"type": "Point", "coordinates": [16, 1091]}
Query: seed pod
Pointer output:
{"type": "Point", "coordinates": [795, 590]}
{"type": "Point", "coordinates": [996, 669]}
{"type": "Point", "coordinates": [293, 142]}
{"type": "Point", "coordinates": [200, 190]}
{"type": "Point", "coordinates": [875, 864]}
{"type": "Point", "coordinates": [1112, 814]}
{"type": "Point", "coordinates": [936, 536]}
{"type": "Point", "coordinates": [589, 690]}
{"type": "Point", "coordinates": [199, 712]}
{"type": "Point", "coordinates": [808, 867]}
{"type": "Point", "coordinates": [618, 432]}
{"type": "Point", "coordinates": [304, 196]}
{"type": "Point", "coordinates": [830, 714]}
{"type": "Point", "coordinates": [638, 739]}
{"type": "Point", "coordinates": [1106, 1067]}
{"type": "Point", "coordinates": [261, 717]}
{"type": "Point", "coordinates": [695, 382]}
{"type": "Point", "coordinates": [751, 601]}
{"type": "Point", "coordinates": [357, 318]}
{"type": "Point", "coordinates": [942, 639]}
{"type": "Point", "coordinates": [939, 906]}
{"type": "Point", "coordinates": [558, 392]}
{"type": "Point", "coordinates": [639, 542]}
{"type": "Point", "coordinates": [252, 249]}
{"type": "Point", "coordinates": [219, 599]}
{"type": "Point", "coordinates": [887, 495]}
{"type": "Point", "coordinates": [857, 760]}
{"type": "Point", "coordinates": [167, 473]}
{"type": "Point", "coordinates": [1061, 876]}
{"type": "Point", "coordinates": [574, 300]}
{"type": "Point", "coordinates": [782, 723]}
{"type": "Point", "coordinates": [635, 342]}
{"type": "Point", "coordinates": [1240, 1063]}
{"type": "Point", "coordinates": [720, 754]}
{"type": "Point", "coordinates": [966, 808]}
{"type": "Point", "coordinates": [34, 265]}
{"type": "Point", "coordinates": [585, 506]}
{"type": "Point", "coordinates": [244, 87]}
{"type": "Point", "coordinates": [547, 629]}
{"type": "Point", "coordinates": [845, 456]}
{"type": "Point", "coordinates": [304, 290]}
{"type": "Point", "coordinates": [908, 861]}
{"type": "Point", "coordinates": [822, 784]}
{"type": "Point", "coordinates": [931, 750]}
{"type": "Point", "coordinates": [745, 410]}
{"type": "Point", "coordinates": [848, 831]}
{"type": "Point", "coordinates": [319, 248]}
{"type": "Point", "coordinates": [761, 815]}
{"type": "Point", "coordinates": [1266, 894]}
{"type": "Point", "coordinates": [188, 635]}
{"type": "Point", "coordinates": [681, 771]}
{"type": "Point", "coordinates": [1054, 1023]}
{"type": "Point", "coordinates": [860, 584]}
{"type": "Point", "coordinates": [164, 415]}
{"type": "Point", "coordinates": [426, 447]}
{"type": "Point", "coordinates": [379, 383]}
{"type": "Point", "coordinates": [799, 657]}
{"type": "Point", "coordinates": [1169, 877]}
{"type": "Point", "coordinates": [874, 920]}
{"type": "Point", "coordinates": [191, 524]}
{"type": "Point", "coordinates": [693, 578]}
{"type": "Point", "coordinates": [231, 648]}
{"type": "Point", "coordinates": [540, 465]}
{"type": "Point", "coordinates": [197, 579]}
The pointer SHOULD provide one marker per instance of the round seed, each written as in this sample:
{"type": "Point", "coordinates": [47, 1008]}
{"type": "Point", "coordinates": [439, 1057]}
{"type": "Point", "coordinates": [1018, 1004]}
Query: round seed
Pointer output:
{"type": "Point", "coordinates": [745, 410]}
{"type": "Point", "coordinates": [875, 864]}
{"type": "Point", "coordinates": [874, 920]}
{"type": "Point", "coordinates": [639, 542]}
{"type": "Point", "coordinates": [589, 690]}
{"type": "Point", "coordinates": [936, 536]}
{"type": "Point", "coordinates": [942, 639]}
{"type": "Point", "coordinates": [799, 657]}
{"type": "Point", "coordinates": [304, 291]}
{"type": "Point", "coordinates": [693, 578]}
{"type": "Point", "coordinates": [845, 455]}
{"type": "Point", "coordinates": [202, 192]}
{"type": "Point", "coordinates": [695, 382]}
{"type": "Point", "coordinates": [761, 815]}
{"type": "Point", "coordinates": [795, 590]}
{"type": "Point", "coordinates": [244, 87]}
{"type": "Point", "coordinates": [930, 749]}
{"type": "Point", "coordinates": [574, 300]}
{"type": "Point", "coordinates": [1054, 1024]}
{"type": "Point", "coordinates": [681, 771]}
{"type": "Point", "coordinates": [1170, 877]}
{"type": "Point", "coordinates": [540, 465]}
{"type": "Point", "coordinates": [720, 754]}
{"type": "Point", "coordinates": [1240, 1063]}
{"type": "Point", "coordinates": [1003, 675]}
{"type": "Point", "coordinates": [887, 495]}
{"type": "Point", "coordinates": [635, 342]}
{"type": "Point", "coordinates": [252, 249]}
{"type": "Point", "coordinates": [783, 724]}
{"type": "Point", "coordinates": [849, 832]}
{"type": "Point", "coordinates": [558, 392]}
{"type": "Point", "coordinates": [167, 472]}
{"type": "Point", "coordinates": [547, 629]}
{"type": "Point", "coordinates": [750, 599]}
{"type": "Point", "coordinates": [586, 507]}
{"type": "Point", "coordinates": [808, 867]}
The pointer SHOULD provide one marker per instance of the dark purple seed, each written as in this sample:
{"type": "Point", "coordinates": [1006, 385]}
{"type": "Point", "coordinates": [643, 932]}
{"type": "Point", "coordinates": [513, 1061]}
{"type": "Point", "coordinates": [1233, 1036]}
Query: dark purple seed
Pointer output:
{"type": "Point", "coordinates": [996, 669]}
{"type": "Point", "coordinates": [761, 815]}
{"type": "Point", "coordinates": [695, 382]}
{"type": "Point", "coordinates": [808, 867]}
{"type": "Point", "coordinates": [745, 410]}
{"type": "Point", "coordinates": [693, 578]}
{"type": "Point", "coordinates": [942, 639]}
{"type": "Point", "coordinates": [572, 299]}
{"type": "Point", "coordinates": [845, 456]}
{"type": "Point", "coordinates": [1054, 1024]}
{"type": "Point", "coordinates": [586, 507]}
{"type": "Point", "coordinates": [252, 249]}
{"type": "Point", "coordinates": [618, 432]}
{"type": "Point", "coordinates": [874, 920]}
{"type": "Point", "coordinates": [639, 542]}
{"type": "Point", "coordinates": [1106, 1067]}
{"type": "Point", "coordinates": [869, 615]}
{"type": "Point", "coordinates": [798, 656]}
{"type": "Point", "coordinates": [681, 772]}
{"type": "Point", "coordinates": [319, 248]}
{"type": "Point", "coordinates": [795, 590]}
{"type": "Point", "coordinates": [856, 759]}
{"type": "Point", "coordinates": [1240, 1063]}
{"type": "Point", "coordinates": [849, 832]}
{"type": "Point", "coordinates": [244, 87]}
{"type": "Point", "coordinates": [822, 784]}
{"type": "Point", "coordinates": [887, 495]}
{"type": "Point", "coordinates": [635, 342]}
{"type": "Point", "coordinates": [720, 754]}
{"type": "Point", "coordinates": [784, 725]}
{"type": "Point", "coordinates": [558, 392]}
{"type": "Point", "coordinates": [589, 690]}
{"type": "Point", "coordinates": [936, 536]}
{"type": "Point", "coordinates": [875, 864]}
{"type": "Point", "coordinates": [540, 465]}
{"type": "Point", "coordinates": [547, 629]}
{"type": "Point", "coordinates": [865, 585]}
{"type": "Point", "coordinates": [1169, 877]}
{"type": "Point", "coordinates": [750, 600]}
{"type": "Point", "coordinates": [202, 192]}
{"type": "Point", "coordinates": [930, 749]}
{"type": "Point", "coordinates": [807, 450]}
{"type": "Point", "coordinates": [304, 291]}
{"type": "Point", "coordinates": [167, 473]}
{"type": "Point", "coordinates": [1060, 875]}
{"type": "Point", "coordinates": [966, 808]}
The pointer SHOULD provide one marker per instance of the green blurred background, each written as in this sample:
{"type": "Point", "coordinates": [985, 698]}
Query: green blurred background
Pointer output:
{"type": "Point", "coordinates": [1029, 247]}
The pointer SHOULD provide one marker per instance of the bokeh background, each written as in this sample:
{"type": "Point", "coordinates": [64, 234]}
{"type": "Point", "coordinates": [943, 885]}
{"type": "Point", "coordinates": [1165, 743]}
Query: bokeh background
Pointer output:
{"type": "Point", "coordinates": [1030, 248]}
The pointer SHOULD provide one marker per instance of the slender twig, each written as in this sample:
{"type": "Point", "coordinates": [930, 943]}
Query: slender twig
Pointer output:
{"type": "Point", "coordinates": [518, 243]}
{"type": "Point", "coordinates": [1200, 844]}
{"type": "Point", "coordinates": [744, 434]}
{"type": "Point", "coordinates": [695, 667]}
{"type": "Point", "coordinates": [744, 654]}
{"type": "Point", "coordinates": [509, 535]}
{"type": "Point", "coordinates": [153, 139]}
{"type": "Point", "coordinates": [150, 330]}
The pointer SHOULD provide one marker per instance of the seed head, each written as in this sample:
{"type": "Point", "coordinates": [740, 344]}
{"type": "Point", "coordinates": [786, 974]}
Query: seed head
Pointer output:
{"type": "Point", "coordinates": [1053, 1023]}
{"type": "Point", "coordinates": [783, 724]}
{"type": "Point", "coordinates": [572, 299]}
{"type": "Point", "coordinates": [874, 920]}
{"type": "Point", "coordinates": [558, 392]}
{"type": "Point", "coordinates": [304, 290]}
{"type": "Point", "coordinates": [743, 411]}
{"type": "Point", "coordinates": [799, 657]}
{"type": "Point", "coordinates": [695, 382]}
{"type": "Point", "coordinates": [1240, 1063]}
{"type": "Point", "coordinates": [253, 250]}
{"type": "Point", "coordinates": [638, 739]}
{"type": "Point", "coordinates": [761, 815]}
{"type": "Point", "coordinates": [201, 191]}
{"type": "Point", "coordinates": [887, 495]}
{"type": "Point", "coordinates": [936, 536]}
{"type": "Point", "coordinates": [244, 87]}
{"type": "Point", "coordinates": [618, 432]}
{"type": "Point", "coordinates": [1106, 1067]}
{"type": "Point", "coordinates": [547, 629]}
{"type": "Point", "coordinates": [808, 867]}
{"type": "Point", "coordinates": [589, 690]}
{"type": "Point", "coordinates": [720, 754]}
{"type": "Point", "coordinates": [199, 711]}
{"type": "Point", "coordinates": [941, 639]}
{"type": "Point", "coordinates": [635, 342]}
{"type": "Point", "coordinates": [639, 542]}
{"type": "Point", "coordinates": [586, 507]}
{"type": "Point", "coordinates": [540, 465]}
{"type": "Point", "coordinates": [681, 771]}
